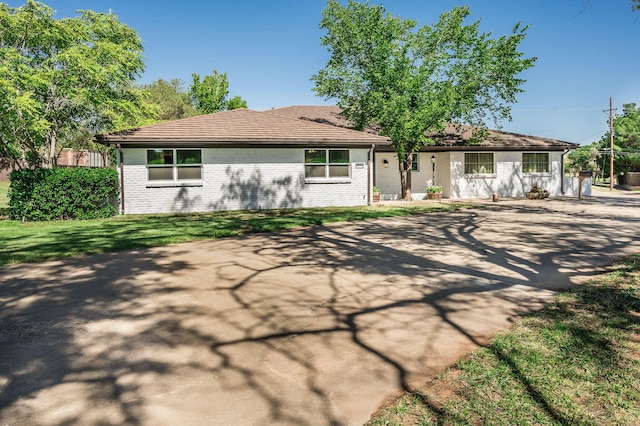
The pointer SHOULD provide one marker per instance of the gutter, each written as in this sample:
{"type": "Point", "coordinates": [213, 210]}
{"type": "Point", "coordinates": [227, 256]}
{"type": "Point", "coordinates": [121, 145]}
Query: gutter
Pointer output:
{"type": "Point", "coordinates": [562, 191]}
{"type": "Point", "coordinates": [369, 164]}
{"type": "Point", "coordinates": [121, 161]}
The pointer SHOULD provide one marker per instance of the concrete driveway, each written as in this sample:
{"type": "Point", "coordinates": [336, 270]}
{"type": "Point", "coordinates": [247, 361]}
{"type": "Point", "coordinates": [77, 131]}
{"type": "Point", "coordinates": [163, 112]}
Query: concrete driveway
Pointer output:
{"type": "Point", "coordinates": [314, 326]}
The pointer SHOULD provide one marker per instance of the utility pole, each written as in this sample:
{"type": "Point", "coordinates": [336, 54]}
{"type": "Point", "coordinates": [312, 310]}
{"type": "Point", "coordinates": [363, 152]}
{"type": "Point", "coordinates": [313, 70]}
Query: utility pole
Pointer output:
{"type": "Point", "coordinates": [611, 143]}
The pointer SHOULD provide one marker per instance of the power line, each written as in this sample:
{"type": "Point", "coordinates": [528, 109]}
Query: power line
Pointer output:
{"type": "Point", "coordinates": [606, 152]}
{"type": "Point", "coordinates": [589, 137]}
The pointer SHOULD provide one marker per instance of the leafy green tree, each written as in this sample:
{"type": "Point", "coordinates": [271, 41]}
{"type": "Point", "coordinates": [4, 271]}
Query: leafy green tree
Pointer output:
{"type": "Point", "coordinates": [235, 103]}
{"type": "Point", "coordinates": [586, 157]}
{"type": "Point", "coordinates": [57, 76]}
{"type": "Point", "coordinates": [627, 128]}
{"type": "Point", "coordinates": [209, 95]}
{"type": "Point", "coordinates": [171, 99]}
{"type": "Point", "coordinates": [410, 82]}
{"type": "Point", "coordinates": [626, 139]}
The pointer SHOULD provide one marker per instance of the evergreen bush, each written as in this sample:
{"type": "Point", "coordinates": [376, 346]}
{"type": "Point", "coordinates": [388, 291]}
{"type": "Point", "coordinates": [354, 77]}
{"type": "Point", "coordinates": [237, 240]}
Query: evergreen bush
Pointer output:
{"type": "Point", "coordinates": [63, 193]}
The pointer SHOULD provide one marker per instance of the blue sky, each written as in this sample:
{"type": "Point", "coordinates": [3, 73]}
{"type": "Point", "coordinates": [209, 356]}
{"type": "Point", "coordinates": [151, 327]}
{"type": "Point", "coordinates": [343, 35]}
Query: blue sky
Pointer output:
{"type": "Point", "coordinates": [587, 50]}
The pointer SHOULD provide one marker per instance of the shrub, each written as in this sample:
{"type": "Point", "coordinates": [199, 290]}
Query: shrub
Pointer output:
{"type": "Point", "coordinates": [434, 189]}
{"type": "Point", "coordinates": [61, 193]}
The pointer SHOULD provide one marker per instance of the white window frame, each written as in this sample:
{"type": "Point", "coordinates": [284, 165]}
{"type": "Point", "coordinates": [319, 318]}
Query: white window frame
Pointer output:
{"type": "Point", "coordinates": [327, 166]}
{"type": "Point", "coordinates": [548, 163]}
{"type": "Point", "coordinates": [174, 166]}
{"type": "Point", "coordinates": [479, 173]}
{"type": "Point", "coordinates": [415, 160]}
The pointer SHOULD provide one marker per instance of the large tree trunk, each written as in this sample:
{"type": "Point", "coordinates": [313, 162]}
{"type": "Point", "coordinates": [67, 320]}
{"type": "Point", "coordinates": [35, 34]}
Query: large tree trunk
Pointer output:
{"type": "Point", "coordinates": [405, 176]}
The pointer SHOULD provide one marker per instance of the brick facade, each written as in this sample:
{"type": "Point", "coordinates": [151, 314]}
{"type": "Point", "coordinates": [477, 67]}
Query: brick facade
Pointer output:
{"type": "Point", "coordinates": [240, 179]}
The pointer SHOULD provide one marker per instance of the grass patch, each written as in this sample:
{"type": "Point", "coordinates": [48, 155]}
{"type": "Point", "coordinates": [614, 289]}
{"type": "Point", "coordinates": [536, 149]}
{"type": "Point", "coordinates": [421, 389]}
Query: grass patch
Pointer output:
{"type": "Point", "coordinates": [37, 241]}
{"type": "Point", "coordinates": [575, 362]}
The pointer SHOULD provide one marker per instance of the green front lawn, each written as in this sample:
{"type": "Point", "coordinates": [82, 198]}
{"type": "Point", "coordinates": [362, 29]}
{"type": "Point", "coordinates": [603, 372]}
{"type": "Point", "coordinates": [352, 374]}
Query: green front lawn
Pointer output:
{"type": "Point", "coordinates": [37, 241]}
{"type": "Point", "coordinates": [577, 362]}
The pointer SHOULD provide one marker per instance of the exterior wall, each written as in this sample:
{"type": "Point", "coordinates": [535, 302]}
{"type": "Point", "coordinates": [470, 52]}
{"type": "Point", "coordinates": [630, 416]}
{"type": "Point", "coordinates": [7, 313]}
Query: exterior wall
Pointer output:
{"type": "Point", "coordinates": [241, 179]}
{"type": "Point", "coordinates": [571, 186]}
{"type": "Point", "coordinates": [508, 180]}
{"type": "Point", "coordinates": [388, 178]}
{"type": "Point", "coordinates": [443, 173]}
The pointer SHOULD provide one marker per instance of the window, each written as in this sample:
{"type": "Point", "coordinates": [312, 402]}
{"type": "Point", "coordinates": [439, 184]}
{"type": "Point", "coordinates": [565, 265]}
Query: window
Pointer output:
{"type": "Point", "coordinates": [414, 163]}
{"type": "Point", "coordinates": [535, 162]}
{"type": "Point", "coordinates": [174, 164]}
{"type": "Point", "coordinates": [478, 163]}
{"type": "Point", "coordinates": [326, 163]}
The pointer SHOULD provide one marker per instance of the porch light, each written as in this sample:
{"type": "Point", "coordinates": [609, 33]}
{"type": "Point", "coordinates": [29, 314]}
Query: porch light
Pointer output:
{"type": "Point", "coordinates": [385, 163]}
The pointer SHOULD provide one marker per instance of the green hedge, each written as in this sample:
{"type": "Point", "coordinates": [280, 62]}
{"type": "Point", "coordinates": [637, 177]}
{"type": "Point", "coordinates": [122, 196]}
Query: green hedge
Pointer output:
{"type": "Point", "coordinates": [61, 193]}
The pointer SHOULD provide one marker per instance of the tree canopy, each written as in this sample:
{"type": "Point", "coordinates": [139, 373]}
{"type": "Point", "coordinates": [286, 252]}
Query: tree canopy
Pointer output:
{"type": "Point", "coordinates": [627, 127]}
{"type": "Point", "coordinates": [57, 76]}
{"type": "Point", "coordinates": [235, 103]}
{"type": "Point", "coordinates": [626, 146]}
{"type": "Point", "coordinates": [170, 98]}
{"type": "Point", "coordinates": [626, 139]}
{"type": "Point", "coordinates": [210, 94]}
{"type": "Point", "coordinates": [410, 82]}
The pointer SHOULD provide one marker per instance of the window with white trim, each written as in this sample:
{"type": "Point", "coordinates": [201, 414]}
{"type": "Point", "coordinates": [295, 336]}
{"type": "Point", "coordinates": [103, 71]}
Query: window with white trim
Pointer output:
{"type": "Point", "coordinates": [174, 164]}
{"type": "Point", "coordinates": [414, 163]}
{"type": "Point", "coordinates": [326, 163]}
{"type": "Point", "coordinates": [535, 162]}
{"type": "Point", "coordinates": [478, 163]}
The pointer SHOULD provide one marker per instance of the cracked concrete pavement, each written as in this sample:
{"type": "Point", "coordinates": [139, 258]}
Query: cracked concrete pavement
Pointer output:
{"type": "Point", "coordinates": [314, 326]}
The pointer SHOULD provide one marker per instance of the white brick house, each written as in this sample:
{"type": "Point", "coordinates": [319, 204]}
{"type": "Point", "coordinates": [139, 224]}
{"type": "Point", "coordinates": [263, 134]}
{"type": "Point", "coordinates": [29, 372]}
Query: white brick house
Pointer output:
{"type": "Point", "coordinates": [242, 159]}
{"type": "Point", "coordinates": [309, 156]}
{"type": "Point", "coordinates": [506, 164]}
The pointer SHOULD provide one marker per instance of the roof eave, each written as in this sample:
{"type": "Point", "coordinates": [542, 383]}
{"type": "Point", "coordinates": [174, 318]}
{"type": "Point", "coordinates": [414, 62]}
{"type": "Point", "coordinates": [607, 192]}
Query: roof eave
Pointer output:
{"type": "Point", "coordinates": [234, 143]}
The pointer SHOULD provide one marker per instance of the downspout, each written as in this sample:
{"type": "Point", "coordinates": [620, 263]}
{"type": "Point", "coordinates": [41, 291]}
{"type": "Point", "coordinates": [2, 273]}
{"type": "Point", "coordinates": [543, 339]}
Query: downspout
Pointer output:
{"type": "Point", "coordinates": [369, 188]}
{"type": "Point", "coordinates": [562, 170]}
{"type": "Point", "coordinates": [121, 161]}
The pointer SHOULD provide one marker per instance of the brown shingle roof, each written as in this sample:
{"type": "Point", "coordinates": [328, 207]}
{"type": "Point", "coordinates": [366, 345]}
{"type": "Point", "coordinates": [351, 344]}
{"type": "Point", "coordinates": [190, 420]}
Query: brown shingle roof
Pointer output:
{"type": "Point", "coordinates": [453, 138]}
{"type": "Point", "coordinates": [241, 127]}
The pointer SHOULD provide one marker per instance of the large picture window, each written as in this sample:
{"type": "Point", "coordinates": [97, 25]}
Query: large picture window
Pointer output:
{"type": "Point", "coordinates": [478, 163]}
{"type": "Point", "coordinates": [535, 162]}
{"type": "Point", "coordinates": [326, 163]}
{"type": "Point", "coordinates": [174, 164]}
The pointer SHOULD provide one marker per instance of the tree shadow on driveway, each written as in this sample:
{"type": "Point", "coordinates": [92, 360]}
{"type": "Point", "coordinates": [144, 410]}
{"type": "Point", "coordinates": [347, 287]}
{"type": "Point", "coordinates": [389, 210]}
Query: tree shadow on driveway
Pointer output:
{"type": "Point", "coordinates": [311, 326]}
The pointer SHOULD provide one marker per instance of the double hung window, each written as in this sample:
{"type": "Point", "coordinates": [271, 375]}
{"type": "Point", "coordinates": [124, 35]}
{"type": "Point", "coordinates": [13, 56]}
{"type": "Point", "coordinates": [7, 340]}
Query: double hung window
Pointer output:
{"type": "Point", "coordinates": [414, 163]}
{"type": "Point", "coordinates": [478, 163]}
{"type": "Point", "coordinates": [326, 163]}
{"type": "Point", "coordinates": [174, 164]}
{"type": "Point", "coordinates": [535, 162]}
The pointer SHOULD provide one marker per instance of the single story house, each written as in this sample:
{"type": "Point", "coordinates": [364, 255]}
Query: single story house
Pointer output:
{"type": "Point", "coordinates": [310, 156]}
{"type": "Point", "coordinates": [506, 164]}
{"type": "Point", "coordinates": [242, 159]}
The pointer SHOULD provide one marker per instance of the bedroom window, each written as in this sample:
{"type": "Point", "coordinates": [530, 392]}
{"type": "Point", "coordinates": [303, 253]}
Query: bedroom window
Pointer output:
{"type": "Point", "coordinates": [478, 163]}
{"type": "Point", "coordinates": [174, 164]}
{"type": "Point", "coordinates": [535, 162]}
{"type": "Point", "coordinates": [326, 163]}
